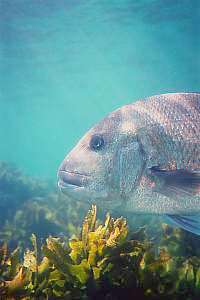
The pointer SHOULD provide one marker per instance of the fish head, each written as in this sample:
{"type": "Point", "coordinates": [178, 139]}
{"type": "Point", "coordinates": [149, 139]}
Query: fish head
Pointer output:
{"type": "Point", "coordinates": [103, 167]}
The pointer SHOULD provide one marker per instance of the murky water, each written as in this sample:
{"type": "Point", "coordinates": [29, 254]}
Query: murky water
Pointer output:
{"type": "Point", "coordinates": [65, 64]}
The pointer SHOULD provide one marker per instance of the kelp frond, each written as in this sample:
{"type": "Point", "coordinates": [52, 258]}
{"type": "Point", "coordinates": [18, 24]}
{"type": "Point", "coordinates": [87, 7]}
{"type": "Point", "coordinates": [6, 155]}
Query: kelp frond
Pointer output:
{"type": "Point", "coordinates": [101, 263]}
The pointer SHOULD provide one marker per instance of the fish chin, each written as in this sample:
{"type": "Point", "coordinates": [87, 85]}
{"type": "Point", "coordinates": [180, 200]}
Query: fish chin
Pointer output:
{"type": "Point", "coordinates": [71, 190]}
{"type": "Point", "coordinates": [85, 194]}
{"type": "Point", "coordinates": [77, 193]}
{"type": "Point", "coordinates": [82, 187]}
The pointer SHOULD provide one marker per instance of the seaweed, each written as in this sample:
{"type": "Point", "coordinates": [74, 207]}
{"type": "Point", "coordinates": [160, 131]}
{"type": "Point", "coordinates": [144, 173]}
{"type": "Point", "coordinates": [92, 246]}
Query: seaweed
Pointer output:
{"type": "Point", "coordinates": [30, 205]}
{"type": "Point", "coordinates": [101, 262]}
{"type": "Point", "coordinates": [102, 258]}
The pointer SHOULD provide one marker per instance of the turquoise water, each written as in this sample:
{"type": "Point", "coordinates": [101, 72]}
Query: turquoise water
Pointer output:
{"type": "Point", "coordinates": [65, 64]}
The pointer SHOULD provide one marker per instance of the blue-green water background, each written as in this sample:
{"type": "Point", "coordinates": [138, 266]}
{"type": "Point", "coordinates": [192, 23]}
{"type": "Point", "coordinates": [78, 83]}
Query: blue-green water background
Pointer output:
{"type": "Point", "coordinates": [65, 64]}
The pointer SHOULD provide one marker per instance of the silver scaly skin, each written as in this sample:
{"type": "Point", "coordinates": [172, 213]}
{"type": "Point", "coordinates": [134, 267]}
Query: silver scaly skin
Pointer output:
{"type": "Point", "coordinates": [168, 127]}
{"type": "Point", "coordinates": [144, 157]}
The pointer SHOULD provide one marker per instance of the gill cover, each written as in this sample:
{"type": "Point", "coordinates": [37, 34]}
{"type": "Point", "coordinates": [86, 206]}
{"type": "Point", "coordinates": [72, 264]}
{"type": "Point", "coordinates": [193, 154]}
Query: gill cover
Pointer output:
{"type": "Point", "coordinates": [131, 162]}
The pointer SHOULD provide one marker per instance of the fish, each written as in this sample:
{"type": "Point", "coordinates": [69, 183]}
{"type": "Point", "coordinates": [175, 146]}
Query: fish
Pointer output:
{"type": "Point", "coordinates": [143, 158]}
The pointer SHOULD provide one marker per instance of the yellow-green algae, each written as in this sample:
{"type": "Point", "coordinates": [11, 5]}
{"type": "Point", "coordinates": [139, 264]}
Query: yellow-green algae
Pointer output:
{"type": "Point", "coordinates": [102, 263]}
{"type": "Point", "coordinates": [105, 261]}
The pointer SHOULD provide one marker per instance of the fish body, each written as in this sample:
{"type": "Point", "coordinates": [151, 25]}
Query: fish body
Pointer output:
{"type": "Point", "coordinates": [143, 157]}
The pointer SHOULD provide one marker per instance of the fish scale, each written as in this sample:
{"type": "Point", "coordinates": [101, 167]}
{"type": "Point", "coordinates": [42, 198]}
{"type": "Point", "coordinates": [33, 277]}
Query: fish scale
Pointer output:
{"type": "Point", "coordinates": [144, 157]}
{"type": "Point", "coordinates": [177, 140]}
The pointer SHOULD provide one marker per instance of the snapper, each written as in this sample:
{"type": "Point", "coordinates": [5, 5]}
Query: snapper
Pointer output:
{"type": "Point", "coordinates": [143, 158]}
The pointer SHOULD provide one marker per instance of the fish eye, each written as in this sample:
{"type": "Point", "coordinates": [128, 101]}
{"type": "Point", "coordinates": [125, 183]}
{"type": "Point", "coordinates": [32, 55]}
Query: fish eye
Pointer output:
{"type": "Point", "coordinates": [96, 142]}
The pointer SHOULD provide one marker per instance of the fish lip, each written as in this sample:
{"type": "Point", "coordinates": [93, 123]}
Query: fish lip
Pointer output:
{"type": "Point", "coordinates": [68, 178]}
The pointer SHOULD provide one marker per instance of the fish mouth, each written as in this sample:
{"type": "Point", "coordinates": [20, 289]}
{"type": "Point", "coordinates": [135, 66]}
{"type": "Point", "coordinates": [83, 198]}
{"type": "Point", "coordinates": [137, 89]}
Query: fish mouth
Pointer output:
{"type": "Point", "coordinates": [71, 179]}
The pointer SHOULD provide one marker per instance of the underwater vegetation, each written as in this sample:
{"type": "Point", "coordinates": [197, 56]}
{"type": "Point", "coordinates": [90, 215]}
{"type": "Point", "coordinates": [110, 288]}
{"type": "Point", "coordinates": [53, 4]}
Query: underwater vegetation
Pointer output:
{"type": "Point", "coordinates": [101, 263]}
{"type": "Point", "coordinates": [102, 258]}
{"type": "Point", "coordinates": [30, 205]}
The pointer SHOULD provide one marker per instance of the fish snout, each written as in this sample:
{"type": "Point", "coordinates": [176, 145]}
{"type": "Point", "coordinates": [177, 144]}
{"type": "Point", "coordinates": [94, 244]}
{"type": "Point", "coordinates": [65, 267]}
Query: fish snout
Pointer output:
{"type": "Point", "coordinates": [68, 178]}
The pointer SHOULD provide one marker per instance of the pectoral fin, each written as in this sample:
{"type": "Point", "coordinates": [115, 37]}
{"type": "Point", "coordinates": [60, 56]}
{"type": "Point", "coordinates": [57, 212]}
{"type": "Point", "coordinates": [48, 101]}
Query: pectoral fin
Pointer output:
{"type": "Point", "coordinates": [189, 223]}
{"type": "Point", "coordinates": [176, 182]}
